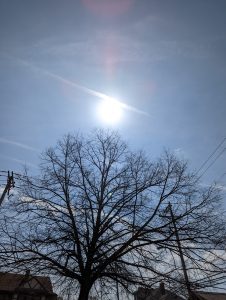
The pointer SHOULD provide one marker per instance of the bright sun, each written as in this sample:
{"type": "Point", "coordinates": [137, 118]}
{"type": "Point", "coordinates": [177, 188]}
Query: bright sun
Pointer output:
{"type": "Point", "coordinates": [110, 111]}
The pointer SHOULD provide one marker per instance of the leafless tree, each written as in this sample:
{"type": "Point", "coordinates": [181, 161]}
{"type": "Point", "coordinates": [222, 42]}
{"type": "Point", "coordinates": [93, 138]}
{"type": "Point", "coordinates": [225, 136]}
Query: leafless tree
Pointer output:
{"type": "Point", "coordinates": [98, 213]}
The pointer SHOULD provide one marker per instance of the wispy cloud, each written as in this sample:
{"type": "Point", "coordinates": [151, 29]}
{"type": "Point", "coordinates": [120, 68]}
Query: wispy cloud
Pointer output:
{"type": "Point", "coordinates": [17, 144]}
{"type": "Point", "coordinates": [218, 186]}
{"type": "Point", "coordinates": [180, 153]}
{"type": "Point", "coordinates": [19, 161]}
{"type": "Point", "coordinates": [221, 187]}
{"type": "Point", "coordinates": [124, 47]}
{"type": "Point", "coordinates": [76, 85]}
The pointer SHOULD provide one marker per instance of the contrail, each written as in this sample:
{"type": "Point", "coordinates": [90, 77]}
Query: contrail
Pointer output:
{"type": "Point", "coordinates": [95, 93]}
{"type": "Point", "coordinates": [24, 146]}
{"type": "Point", "coordinates": [22, 162]}
{"type": "Point", "coordinates": [79, 86]}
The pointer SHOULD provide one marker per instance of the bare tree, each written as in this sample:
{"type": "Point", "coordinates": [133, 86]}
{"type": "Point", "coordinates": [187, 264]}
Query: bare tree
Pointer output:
{"type": "Point", "coordinates": [98, 214]}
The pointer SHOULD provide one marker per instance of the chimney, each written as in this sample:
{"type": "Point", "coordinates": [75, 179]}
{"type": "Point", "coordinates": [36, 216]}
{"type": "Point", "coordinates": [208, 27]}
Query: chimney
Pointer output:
{"type": "Point", "coordinates": [27, 274]}
{"type": "Point", "coordinates": [162, 288]}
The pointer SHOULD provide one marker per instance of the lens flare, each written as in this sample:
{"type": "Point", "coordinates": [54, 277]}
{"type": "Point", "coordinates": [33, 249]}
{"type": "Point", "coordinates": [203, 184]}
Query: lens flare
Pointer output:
{"type": "Point", "coordinates": [108, 8]}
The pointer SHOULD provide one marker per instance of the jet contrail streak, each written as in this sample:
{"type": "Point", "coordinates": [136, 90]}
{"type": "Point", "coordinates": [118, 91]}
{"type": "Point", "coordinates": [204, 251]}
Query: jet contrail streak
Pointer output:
{"type": "Point", "coordinates": [95, 93]}
{"type": "Point", "coordinates": [24, 146]}
{"type": "Point", "coordinates": [80, 87]}
{"type": "Point", "coordinates": [22, 162]}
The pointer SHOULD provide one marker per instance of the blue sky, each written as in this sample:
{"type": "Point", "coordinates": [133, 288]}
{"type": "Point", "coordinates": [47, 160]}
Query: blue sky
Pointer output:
{"type": "Point", "coordinates": [166, 58]}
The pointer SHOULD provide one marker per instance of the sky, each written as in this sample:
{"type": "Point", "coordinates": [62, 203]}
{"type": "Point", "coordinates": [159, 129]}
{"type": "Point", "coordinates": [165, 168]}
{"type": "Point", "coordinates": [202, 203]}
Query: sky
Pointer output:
{"type": "Point", "coordinates": [164, 60]}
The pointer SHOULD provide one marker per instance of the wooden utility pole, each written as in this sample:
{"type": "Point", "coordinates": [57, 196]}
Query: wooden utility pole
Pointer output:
{"type": "Point", "coordinates": [9, 185]}
{"type": "Point", "coordinates": [117, 290]}
{"type": "Point", "coordinates": [181, 253]}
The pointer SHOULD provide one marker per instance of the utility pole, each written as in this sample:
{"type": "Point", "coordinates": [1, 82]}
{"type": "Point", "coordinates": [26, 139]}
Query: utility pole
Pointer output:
{"type": "Point", "coordinates": [181, 253]}
{"type": "Point", "coordinates": [117, 290]}
{"type": "Point", "coordinates": [10, 183]}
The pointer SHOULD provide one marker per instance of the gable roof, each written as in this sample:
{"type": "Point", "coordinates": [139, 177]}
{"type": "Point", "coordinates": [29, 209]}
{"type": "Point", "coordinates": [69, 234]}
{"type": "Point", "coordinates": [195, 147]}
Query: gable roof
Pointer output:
{"type": "Point", "coordinates": [202, 295]}
{"type": "Point", "coordinates": [158, 294]}
{"type": "Point", "coordinates": [11, 282]}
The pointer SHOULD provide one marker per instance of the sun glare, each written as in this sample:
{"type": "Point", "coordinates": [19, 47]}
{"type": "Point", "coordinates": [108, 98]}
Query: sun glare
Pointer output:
{"type": "Point", "coordinates": [110, 111]}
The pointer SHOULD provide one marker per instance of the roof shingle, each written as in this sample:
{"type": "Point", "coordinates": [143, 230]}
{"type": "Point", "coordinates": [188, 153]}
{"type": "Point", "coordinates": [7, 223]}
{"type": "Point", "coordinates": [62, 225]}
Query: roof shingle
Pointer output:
{"type": "Point", "coordinates": [11, 281]}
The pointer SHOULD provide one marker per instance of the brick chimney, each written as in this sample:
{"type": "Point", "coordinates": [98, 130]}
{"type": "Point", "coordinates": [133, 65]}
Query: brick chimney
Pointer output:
{"type": "Point", "coordinates": [27, 274]}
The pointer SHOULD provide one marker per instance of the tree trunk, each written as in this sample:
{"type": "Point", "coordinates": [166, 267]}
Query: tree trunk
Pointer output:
{"type": "Point", "coordinates": [84, 292]}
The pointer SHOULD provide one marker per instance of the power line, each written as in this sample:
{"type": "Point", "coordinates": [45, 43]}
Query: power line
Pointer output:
{"type": "Point", "coordinates": [210, 156]}
{"type": "Point", "coordinates": [10, 184]}
{"type": "Point", "coordinates": [222, 151]}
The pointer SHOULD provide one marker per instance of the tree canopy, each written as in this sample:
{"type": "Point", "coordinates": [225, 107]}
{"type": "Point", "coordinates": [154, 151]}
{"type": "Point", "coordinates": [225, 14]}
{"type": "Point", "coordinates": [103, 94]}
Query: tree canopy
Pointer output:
{"type": "Point", "coordinates": [98, 213]}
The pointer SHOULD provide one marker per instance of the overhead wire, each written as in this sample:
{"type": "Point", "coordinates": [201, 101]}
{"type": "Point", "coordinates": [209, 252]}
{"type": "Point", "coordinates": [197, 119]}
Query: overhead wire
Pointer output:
{"type": "Point", "coordinates": [222, 151]}
{"type": "Point", "coordinates": [4, 177]}
{"type": "Point", "coordinates": [211, 155]}
{"type": "Point", "coordinates": [21, 177]}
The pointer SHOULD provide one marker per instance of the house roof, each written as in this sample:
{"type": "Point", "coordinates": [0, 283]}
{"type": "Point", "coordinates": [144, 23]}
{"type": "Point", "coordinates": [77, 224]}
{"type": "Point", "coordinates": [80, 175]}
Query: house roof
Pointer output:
{"type": "Point", "coordinates": [163, 294]}
{"type": "Point", "coordinates": [210, 295]}
{"type": "Point", "coordinates": [11, 282]}
{"type": "Point", "coordinates": [158, 294]}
